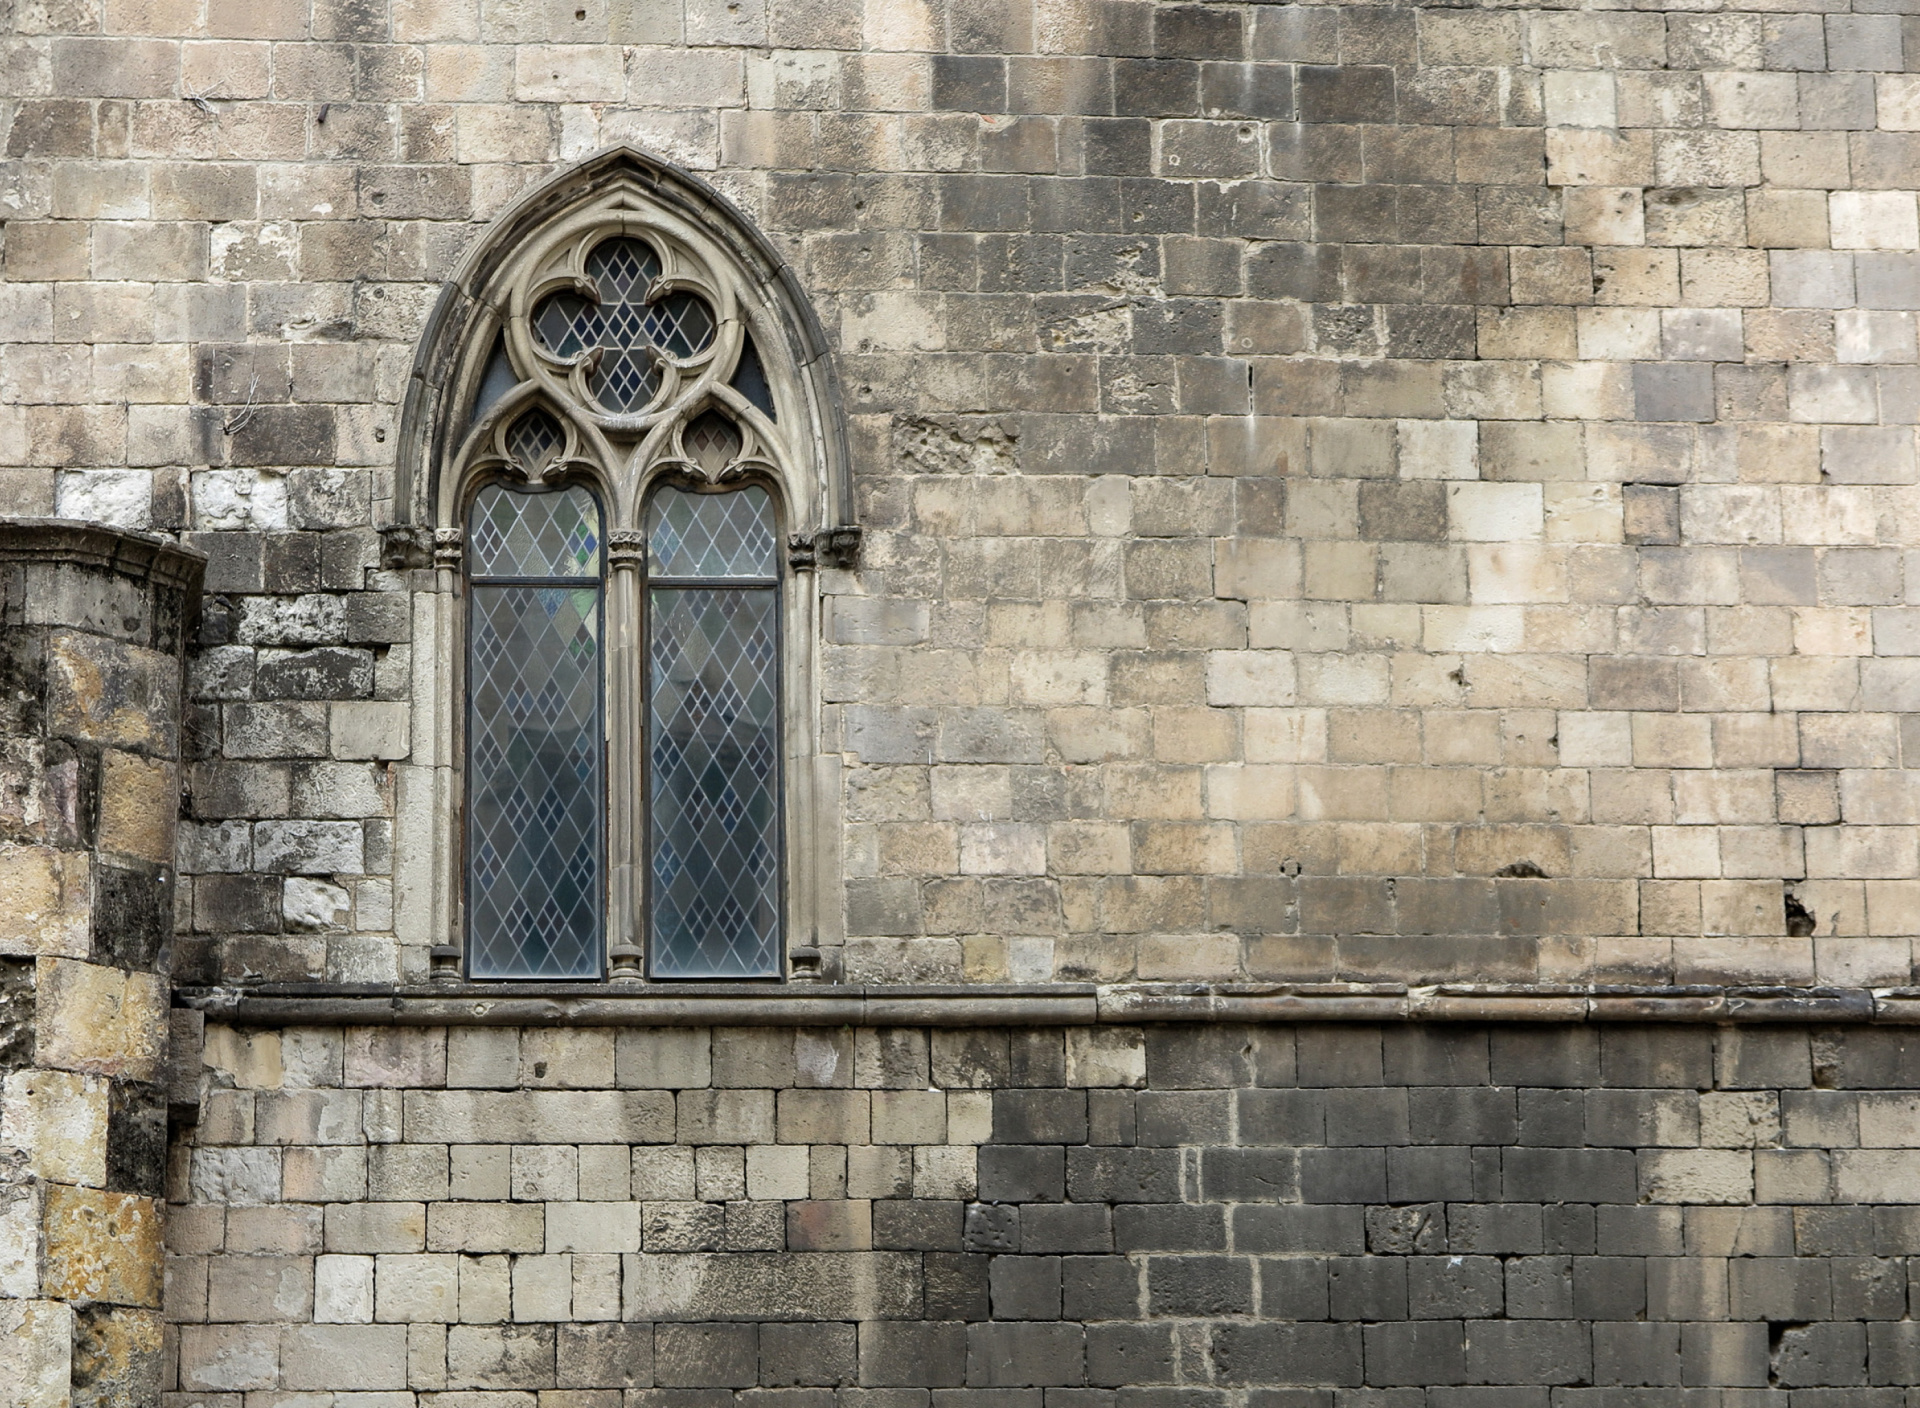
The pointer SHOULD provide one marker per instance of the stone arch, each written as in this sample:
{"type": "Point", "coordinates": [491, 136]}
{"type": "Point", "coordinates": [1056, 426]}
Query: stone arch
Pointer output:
{"type": "Point", "coordinates": [477, 303]}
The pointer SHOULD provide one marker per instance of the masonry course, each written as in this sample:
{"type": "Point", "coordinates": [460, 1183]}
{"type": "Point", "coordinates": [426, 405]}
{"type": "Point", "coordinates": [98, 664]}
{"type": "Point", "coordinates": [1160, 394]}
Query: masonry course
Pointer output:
{"type": "Point", "coordinates": [1242, 1211]}
{"type": "Point", "coordinates": [1350, 493]}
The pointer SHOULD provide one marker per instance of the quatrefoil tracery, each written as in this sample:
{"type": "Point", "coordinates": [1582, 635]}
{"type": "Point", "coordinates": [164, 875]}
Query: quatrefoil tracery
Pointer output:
{"type": "Point", "coordinates": [629, 348]}
{"type": "Point", "coordinates": [623, 324]}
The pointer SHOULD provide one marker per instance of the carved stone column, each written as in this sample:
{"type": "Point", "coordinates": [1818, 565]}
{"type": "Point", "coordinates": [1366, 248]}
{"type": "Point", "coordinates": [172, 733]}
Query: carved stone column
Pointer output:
{"type": "Point", "coordinates": [93, 629]}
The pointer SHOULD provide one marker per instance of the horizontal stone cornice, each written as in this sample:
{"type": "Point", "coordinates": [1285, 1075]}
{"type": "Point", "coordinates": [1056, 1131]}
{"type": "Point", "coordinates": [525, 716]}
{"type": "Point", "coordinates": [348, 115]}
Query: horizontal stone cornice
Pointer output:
{"type": "Point", "coordinates": [143, 556]}
{"type": "Point", "coordinates": [736, 1005]}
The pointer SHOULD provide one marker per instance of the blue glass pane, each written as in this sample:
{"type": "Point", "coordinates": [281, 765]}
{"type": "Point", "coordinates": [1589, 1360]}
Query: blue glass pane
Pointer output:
{"type": "Point", "coordinates": [712, 535]}
{"type": "Point", "coordinates": [713, 739]}
{"type": "Point", "coordinates": [534, 783]}
{"type": "Point", "coordinates": [516, 534]}
{"type": "Point", "coordinates": [626, 328]}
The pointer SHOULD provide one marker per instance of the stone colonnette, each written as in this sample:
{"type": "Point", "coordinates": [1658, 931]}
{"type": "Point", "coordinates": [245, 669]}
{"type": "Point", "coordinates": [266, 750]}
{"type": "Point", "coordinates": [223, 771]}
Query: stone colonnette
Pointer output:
{"type": "Point", "coordinates": [93, 625]}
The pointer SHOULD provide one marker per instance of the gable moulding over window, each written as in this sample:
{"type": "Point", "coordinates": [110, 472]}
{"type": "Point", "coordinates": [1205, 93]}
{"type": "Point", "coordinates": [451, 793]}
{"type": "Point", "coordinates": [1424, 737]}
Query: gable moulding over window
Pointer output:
{"type": "Point", "coordinates": [482, 370]}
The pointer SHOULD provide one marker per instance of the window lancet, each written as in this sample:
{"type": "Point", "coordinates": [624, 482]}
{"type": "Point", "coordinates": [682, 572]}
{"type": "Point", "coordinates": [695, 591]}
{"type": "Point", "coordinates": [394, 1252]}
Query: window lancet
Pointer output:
{"type": "Point", "coordinates": [639, 442]}
{"type": "Point", "coordinates": [534, 735]}
{"type": "Point", "coordinates": [713, 734]}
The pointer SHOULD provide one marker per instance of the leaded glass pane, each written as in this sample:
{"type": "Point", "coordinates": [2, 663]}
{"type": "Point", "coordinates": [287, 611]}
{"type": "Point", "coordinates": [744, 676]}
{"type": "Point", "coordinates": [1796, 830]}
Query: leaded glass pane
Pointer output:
{"type": "Point", "coordinates": [533, 782]}
{"type": "Point", "coordinates": [750, 378]}
{"type": "Point", "coordinates": [714, 743]}
{"type": "Point", "coordinates": [535, 439]}
{"type": "Point", "coordinates": [626, 327]}
{"type": "Point", "coordinates": [497, 382]}
{"type": "Point", "coordinates": [712, 535]}
{"type": "Point", "coordinates": [712, 442]}
{"type": "Point", "coordinates": [514, 534]}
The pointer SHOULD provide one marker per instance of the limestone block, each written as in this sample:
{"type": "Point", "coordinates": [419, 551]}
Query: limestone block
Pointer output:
{"type": "Point", "coordinates": [249, 1059]}
{"type": "Point", "coordinates": [556, 1058]}
{"type": "Point", "coordinates": [343, 1290]}
{"type": "Point", "coordinates": [103, 1246]}
{"type": "Point", "coordinates": [1106, 1056]}
{"type": "Point", "coordinates": [119, 1351]}
{"type": "Point", "coordinates": [139, 800]}
{"type": "Point", "coordinates": [779, 1286]}
{"type": "Point", "coordinates": [46, 902]}
{"type": "Point", "coordinates": [235, 1176]}
{"type": "Point", "coordinates": [545, 1172]}
{"type": "Point", "coordinates": [344, 1357]}
{"type": "Point", "coordinates": [59, 1119]}
{"type": "Point", "coordinates": [1250, 677]}
{"type": "Point", "coordinates": [1696, 1176]}
{"type": "Point", "coordinates": [415, 1287]}
{"type": "Point", "coordinates": [396, 1056]}
{"type": "Point", "coordinates": [107, 692]}
{"type": "Point", "coordinates": [315, 906]}
{"type": "Point", "coordinates": [36, 1354]}
{"type": "Point", "coordinates": [597, 1227]}
{"type": "Point", "coordinates": [775, 1172]}
{"type": "Point", "coordinates": [664, 1058]}
{"type": "Point", "coordinates": [90, 1018]}
{"type": "Point", "coordinates": [543, 1288]}
{"type": "Point", "coordinates": [1873, 220]}
{"type": "Point", "coordinates": [368, 729]}
{"type": "Point", "coordinates": [20, 1244]}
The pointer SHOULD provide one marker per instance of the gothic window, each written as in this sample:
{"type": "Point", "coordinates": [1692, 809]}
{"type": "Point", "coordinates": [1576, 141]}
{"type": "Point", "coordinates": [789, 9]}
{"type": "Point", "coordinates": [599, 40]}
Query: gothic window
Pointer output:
{"type": "Point", "coordinates": [632, 493]}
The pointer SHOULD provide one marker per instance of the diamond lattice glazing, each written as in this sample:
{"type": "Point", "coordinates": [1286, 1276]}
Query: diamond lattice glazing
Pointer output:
{"type": "Point", "coordinates": [713, 747]}
{"type": "Point", "coordinates": [533, 779]}
{"type": "Point", "coordinates": [712, 441]}
{"type": "Point", "coordinates": [628, 330]}
{"type": "Point", "coordinates": [534, 440]}
{"type": "Point", "coordinates": [712, 535]}
{"type": "Point", "coordinates": [514, 534]}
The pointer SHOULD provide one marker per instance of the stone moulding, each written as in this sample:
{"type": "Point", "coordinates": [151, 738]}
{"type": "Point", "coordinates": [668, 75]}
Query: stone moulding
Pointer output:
{"type": "Point", "coordinates": [72, 542]}
{"type": "Point", "coordinates": [739, 1005]}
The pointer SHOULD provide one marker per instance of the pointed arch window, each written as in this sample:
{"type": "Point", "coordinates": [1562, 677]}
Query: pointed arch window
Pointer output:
{"type": "Point", "coordinates": [626, 519]}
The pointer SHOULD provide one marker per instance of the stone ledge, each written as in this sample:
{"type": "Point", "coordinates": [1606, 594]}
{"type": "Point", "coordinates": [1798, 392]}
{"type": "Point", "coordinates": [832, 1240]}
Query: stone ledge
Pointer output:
{"type": "Point", "coordinates": [140, 555]}
{"type": "Point", "coordinates": [1056, 1005]}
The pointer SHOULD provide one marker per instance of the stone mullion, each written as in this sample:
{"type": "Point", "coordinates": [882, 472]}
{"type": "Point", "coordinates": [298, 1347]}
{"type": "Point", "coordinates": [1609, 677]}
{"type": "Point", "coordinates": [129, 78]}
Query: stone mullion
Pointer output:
{"type": "Point", "coordinates": [626, 658]}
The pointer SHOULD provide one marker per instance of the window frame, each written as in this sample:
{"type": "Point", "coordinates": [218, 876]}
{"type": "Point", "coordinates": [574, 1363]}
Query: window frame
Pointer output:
{"type": "Point", "coordinates": [803, 467]}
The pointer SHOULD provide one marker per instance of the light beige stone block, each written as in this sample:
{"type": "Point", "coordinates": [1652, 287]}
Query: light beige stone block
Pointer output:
{"type": "Point", "coordinates": [46, 902]}
{"type": "Point", "coordinates": [103, 1020]}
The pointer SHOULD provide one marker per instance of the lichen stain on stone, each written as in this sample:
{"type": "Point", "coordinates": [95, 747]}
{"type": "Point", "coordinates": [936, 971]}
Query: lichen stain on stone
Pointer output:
{"type": "Point", "coordinates": [112, 693]}
{"type": "Point", "coordinates": [102, 1246]}
{"type": "Point", "coordinates": [116, 1358]}
{"type": "Point", "coordinates": [16, 1013]}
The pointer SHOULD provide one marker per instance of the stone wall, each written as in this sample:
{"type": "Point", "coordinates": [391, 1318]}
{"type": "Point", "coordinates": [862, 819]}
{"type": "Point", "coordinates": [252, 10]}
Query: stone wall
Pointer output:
{"type": "Point", "coordinates": [1351, 491]}
{"type": "Point", "coordinates": [93, 625]}
{"type": "Point", "coordinates": [886, 1218]}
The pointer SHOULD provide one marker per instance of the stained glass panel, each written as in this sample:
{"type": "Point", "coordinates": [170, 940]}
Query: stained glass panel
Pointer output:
{"type": "Point", "coordinates": [513, 534]}
{"type": "Point", "coordinates": [626, 327]}
{"type": "Point", "coordinates": [533, 782]}
{"type": "Point", "coordinates": [713, 745]}
{"type": "Point", "coordinates": [712, 535]}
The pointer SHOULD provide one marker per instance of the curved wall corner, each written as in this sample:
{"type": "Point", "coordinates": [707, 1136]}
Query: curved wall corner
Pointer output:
{"type": "Point", "coordinates": [94, 625]}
